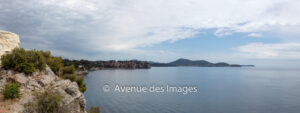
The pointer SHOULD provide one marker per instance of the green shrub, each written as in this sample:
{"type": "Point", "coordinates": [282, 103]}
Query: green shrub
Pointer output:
{"type": "Point", "coordinates": [82, 87]}
{"type": "Point", "coordinates": [49, 101]}
{"type": "Point", "coordinates": [55, 63]}
{"type": "Point", "coordinates": [71, 77]}
{"type": "Point", "coordinates": [29, 61]}
{"type": "Point", "coordinates": [24, 61]}
{"type": "Point", "coordinates": [11, 91]}
{"type": "Point", "coordinates": [36, 57]}
{"type": "Point", "coordinates": [79, 80]}
{"type": "Point", "coordinates": [67, 70]}
{"type": "Point", "coordinates": [46, 54]}
{"type": "Point", "coordinates": [94, 110]}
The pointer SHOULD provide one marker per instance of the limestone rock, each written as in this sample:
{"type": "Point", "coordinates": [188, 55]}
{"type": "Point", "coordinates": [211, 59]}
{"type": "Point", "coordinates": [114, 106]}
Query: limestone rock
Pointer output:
{"type": "Point", "coordinates": [73, 94]}
{"type": "Point", "coordinates": [62, 83]}
{"type": "Point", "coordinates": [21, 78]}
{"type": "Point", "coordinates": [48, 78]}
{"type": "Point", "coordinates": [19, 108]}
{"type": "Point", "coordinates": [8, 41]}
{"type": "Point", "coordinates": [72, 89]}
{"type": "Point", "coordinates": [82, 102]}
{"type": "Point", "coordinates": [33, 85]}
{"type": "Point", "coordinates": [73, 99]}
{"type": "Point", "coordinates": [2, 84]}
{"type": "Point", "coordinates": [49, 71]}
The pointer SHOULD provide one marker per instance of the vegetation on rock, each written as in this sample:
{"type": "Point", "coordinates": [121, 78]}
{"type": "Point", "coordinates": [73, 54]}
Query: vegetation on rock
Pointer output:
{"type": "Point", "coordinates": [34, 77]}
{"type": "Point", "coordinates": [23, 61]}
{"type": "Point", "coordinates": [55, 63]}
{"type": "Point", "coordinates": [81, 84]}
{"type": "Point", "coordinates": [29, 61]}
{"type": "Point", "coordinates": [11, 91]}
{"type": "Point", "coordinates": [48, 101]}
{"type": "Point", "coordinates": [68, 72]}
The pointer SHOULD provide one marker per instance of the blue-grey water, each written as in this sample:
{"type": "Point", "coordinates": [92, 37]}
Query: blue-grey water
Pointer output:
{"type": "Point", "coordinates": [219, 90]}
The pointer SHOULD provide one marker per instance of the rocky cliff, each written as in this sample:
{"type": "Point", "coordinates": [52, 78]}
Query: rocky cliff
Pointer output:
{"type": "Point", "coordinates": [37, 82]}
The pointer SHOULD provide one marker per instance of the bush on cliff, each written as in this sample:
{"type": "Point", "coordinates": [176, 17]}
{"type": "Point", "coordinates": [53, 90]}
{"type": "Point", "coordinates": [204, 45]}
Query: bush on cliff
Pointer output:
{"type": "Point", "coordinates": [82, 87]}
{"type": "Point", "coordinates": [81, 84]}
{"type": "Point", "coordinates": [48, 101]}
{"type": "Point", "coordinates": [71, 77]}
{"type": "Point", "coordinates": [23, 61]}
{"type": "Point", "coordinates": [55, 63]}
{"type": "Point", "coordinates": [68, 72]}
{"type": "Point", "coordinates": [11, 91]}
{"type": "Point", "coordinates": [29, 61]}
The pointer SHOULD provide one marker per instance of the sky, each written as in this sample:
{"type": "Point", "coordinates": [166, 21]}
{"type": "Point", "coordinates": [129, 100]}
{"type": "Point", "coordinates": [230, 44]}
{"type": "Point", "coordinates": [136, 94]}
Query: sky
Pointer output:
{"type": "Point", "coordinates": [259, 32]}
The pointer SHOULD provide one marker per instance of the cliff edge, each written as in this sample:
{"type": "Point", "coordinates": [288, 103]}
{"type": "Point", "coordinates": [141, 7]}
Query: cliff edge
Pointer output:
{"type": "Point", "coordinates": [73, 99]}
{"type": "Point", "coordinates": [32, 85]}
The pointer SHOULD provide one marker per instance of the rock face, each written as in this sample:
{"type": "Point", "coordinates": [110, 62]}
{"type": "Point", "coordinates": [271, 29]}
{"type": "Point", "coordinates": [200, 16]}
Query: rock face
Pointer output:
{"type": "Point", "coordinates": [8, 41]}
{"type": "Point", "coordinates": [40, 81]}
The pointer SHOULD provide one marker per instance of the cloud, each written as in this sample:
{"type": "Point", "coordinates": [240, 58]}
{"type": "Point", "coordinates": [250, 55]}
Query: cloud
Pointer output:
{"type": "Point", "coordinates": [270, 51]}
{"type": "Point", "coordinates": [221, 32]}
{"type": "Point", "coordinates": [257, 35]}
{"type": "Point", "coordinates": [99, 26]}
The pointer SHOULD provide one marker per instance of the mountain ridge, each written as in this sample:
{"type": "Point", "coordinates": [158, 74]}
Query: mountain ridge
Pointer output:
{"type": "Point", "coordinates": [195, 63]}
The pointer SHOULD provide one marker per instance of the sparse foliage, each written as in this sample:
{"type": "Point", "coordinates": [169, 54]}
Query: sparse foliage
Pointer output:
{"type": "Point", "coordinates": [49, 101]}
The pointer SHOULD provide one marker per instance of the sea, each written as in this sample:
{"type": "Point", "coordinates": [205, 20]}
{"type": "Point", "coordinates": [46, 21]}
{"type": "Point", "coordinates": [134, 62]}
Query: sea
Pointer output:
{"type": "Point", "coordinates": [194, 90]}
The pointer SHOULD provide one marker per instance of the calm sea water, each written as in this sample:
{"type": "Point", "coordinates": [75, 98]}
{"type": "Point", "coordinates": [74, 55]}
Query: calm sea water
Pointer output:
{"type": "Point", "coordinates": [220, 90]}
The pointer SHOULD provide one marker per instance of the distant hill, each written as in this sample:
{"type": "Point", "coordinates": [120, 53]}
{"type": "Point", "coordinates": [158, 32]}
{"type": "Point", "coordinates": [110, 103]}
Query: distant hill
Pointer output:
{"type": "Point", "coordinates": [97, 65]}
{"type": "Point", "coordinates": [197, 63]}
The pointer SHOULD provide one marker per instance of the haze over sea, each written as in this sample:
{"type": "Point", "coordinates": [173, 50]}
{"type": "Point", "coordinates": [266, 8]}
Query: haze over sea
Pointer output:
{"type": "Point", "coordinates": [220, 90]}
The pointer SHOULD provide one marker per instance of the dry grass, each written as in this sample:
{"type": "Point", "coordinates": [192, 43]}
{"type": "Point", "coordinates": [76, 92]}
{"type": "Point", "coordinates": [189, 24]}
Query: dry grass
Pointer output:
{"type": "Point", "coordinates": [6, 106]}
{"type": "Point", "coordinates": [9, 106]}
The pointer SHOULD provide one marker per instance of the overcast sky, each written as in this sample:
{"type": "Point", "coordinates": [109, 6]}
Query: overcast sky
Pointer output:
{"type": "Point", "coordinates": [261, 32]}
